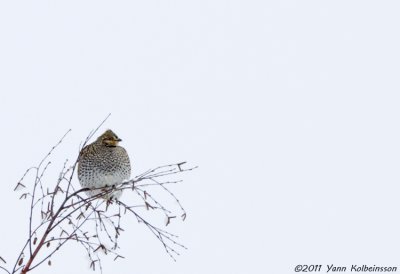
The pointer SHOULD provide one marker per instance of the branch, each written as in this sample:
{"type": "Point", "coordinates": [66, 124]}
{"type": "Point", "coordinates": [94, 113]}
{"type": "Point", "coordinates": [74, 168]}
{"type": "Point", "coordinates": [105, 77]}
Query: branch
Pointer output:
{"type": "Point", "coordinates": [62, 214]}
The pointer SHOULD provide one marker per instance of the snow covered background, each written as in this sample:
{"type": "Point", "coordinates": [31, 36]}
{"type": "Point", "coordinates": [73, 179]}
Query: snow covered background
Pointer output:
{"type": "Point", "coordinates": [291, 110]}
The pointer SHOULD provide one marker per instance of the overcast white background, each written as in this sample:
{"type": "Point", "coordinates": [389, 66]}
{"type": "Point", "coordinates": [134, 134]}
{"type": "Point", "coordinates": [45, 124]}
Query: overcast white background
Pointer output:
{"type": "Point", "coordinates": [290, 108]}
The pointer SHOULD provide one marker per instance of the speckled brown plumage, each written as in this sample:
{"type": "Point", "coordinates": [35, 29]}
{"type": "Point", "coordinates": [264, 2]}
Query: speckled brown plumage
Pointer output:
{"type": "Point", "coordinates": [103, 163]}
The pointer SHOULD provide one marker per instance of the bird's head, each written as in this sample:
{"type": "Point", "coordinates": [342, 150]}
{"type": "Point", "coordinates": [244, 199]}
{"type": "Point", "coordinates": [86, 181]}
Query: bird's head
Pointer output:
{"type": "Point", "coordinates": [109, 139]}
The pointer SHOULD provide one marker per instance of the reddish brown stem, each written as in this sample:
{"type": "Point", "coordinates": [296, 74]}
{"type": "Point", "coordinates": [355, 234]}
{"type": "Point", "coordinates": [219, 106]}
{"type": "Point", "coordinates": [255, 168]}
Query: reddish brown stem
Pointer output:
{"type": "Point", "coordinates": [30, 261]}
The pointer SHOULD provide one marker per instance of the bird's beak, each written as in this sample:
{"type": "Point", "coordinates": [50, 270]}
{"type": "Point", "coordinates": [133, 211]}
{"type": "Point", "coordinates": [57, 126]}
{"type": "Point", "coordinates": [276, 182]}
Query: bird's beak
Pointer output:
{"type": "Point", "coordinates": [119, 140]}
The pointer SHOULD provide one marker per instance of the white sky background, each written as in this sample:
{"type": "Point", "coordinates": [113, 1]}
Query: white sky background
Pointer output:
{"type": "Point", "coordinates": [291, 110]}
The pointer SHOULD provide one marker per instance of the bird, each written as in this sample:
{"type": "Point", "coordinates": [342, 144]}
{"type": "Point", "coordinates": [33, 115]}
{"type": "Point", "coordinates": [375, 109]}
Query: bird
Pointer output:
{"type": "Point", "coordinates": [104, 163]}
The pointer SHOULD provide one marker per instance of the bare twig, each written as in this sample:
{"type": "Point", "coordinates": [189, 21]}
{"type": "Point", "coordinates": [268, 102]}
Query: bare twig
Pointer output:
{"type": "Point", "coordinates": [62, 213]}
